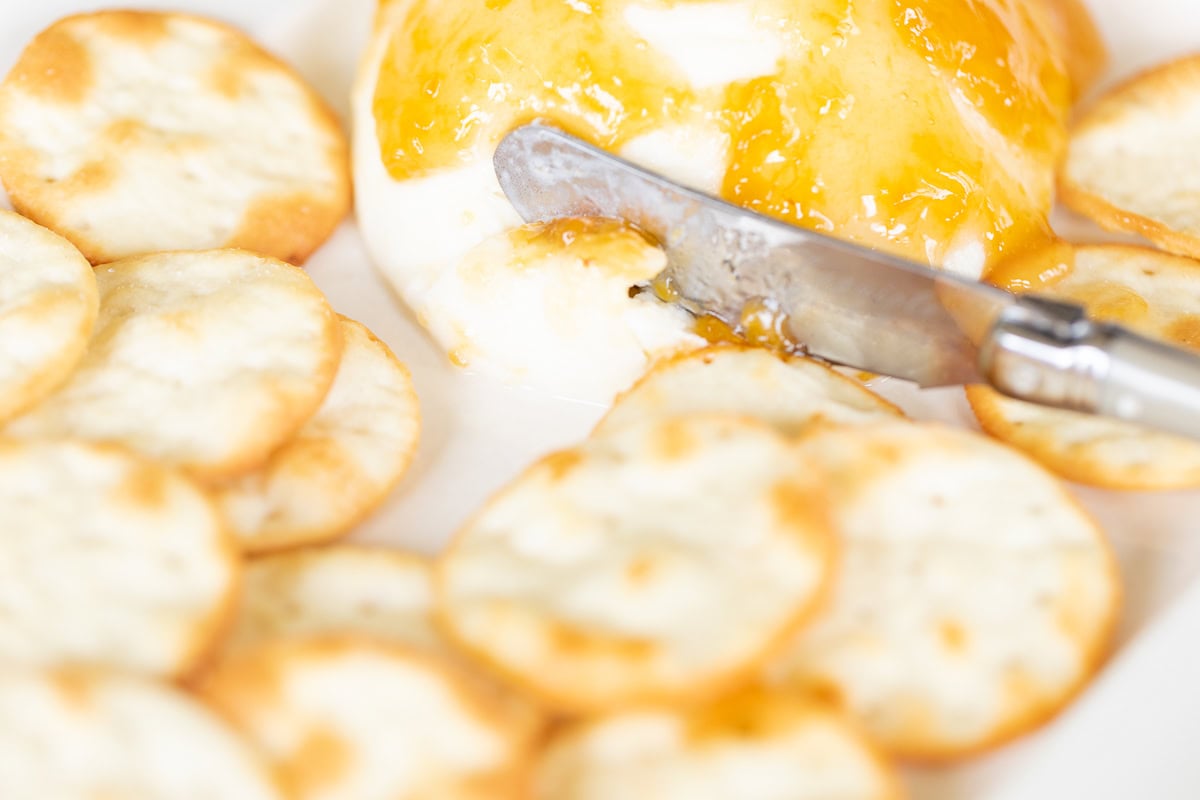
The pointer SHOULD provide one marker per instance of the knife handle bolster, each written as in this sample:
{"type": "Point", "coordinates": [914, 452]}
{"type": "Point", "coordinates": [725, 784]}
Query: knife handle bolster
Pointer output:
{"type": "Point", "coordinates": [1051, 353]}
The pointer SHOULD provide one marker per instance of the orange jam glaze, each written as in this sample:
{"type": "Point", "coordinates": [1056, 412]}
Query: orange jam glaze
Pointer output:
{"type": "Point", "coordinates": [1043, 270]}
{"type": "Point", "coordinates": [912, 125]}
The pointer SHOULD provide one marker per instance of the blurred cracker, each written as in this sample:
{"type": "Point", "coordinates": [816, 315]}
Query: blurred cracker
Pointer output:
{"type": "Point", "coordinates": [751, 746]}
{"type": "Point", "coordinates": [131, 132]}
{"type": "Point", "coordinates": [373, 592]}
{"type": "Point", "coordinates": [1131, 163]}
{"type": "Point", "coordinates": [362, 720]}
{"type": "Point", "coordinates": [82, 735]}
{"type": "Point", "coordinates": [108, 560]}
{"type": "Point", "coordinates": [48, 304]}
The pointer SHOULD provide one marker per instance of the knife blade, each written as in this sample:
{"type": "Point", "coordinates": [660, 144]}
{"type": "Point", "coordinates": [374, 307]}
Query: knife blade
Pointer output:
{"type": "Point", "coordinates": [855, 306]}
{"type": "Point", "coordinates": [844, 303]}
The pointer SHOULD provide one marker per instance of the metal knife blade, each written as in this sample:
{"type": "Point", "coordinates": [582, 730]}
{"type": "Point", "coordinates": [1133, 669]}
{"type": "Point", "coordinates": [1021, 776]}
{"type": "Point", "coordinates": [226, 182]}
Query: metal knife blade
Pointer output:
{"type": "Point", "coordinates": [845, 303]}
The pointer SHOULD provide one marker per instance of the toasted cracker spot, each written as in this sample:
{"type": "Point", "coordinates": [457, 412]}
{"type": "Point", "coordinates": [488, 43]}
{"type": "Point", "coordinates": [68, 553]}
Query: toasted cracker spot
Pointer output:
{"type": "Point", "coordinates": [753, 744]}
{"type": "Point", "coordinates": [1185, 331]}
{"type": "Point", "coordinates": [91, 178]}
{"type": "Point", "coordinates": [995, 542]}
{"type": "Point", "coordinates": [353, 718]}
{"type": "Point", "coordinates": [1153, 293]}
{"type": "Point", "coordinates": [146, 28]}
{"type": "Point", "coordinates": [110, 736]}
{"type": "Point", "coordinates": [281, 224]}
{"type": "Point", "coordinates": [343, 461]}
{"type": "Point", "coordinates": [788, 392]}
{"type": "Point", "coordinates": [954, 636]}
{"type": "Point", "coordinates": [319, 763]}
{"type": "Point", "coordinates": [108, 560]}
{"type": "Point", "coordinates": [48, 305]}
{"type": "Point", "coordinates": [1126, 163]}
{"type": "Point", "coordinates": [634, 577]}
{"type": "Point", "coordinates": [75, 688]}
{"type": "Point", "coordinates": [207, 361]}
{"type": "Point", "coordinates": [673, 441]}
{"type": "Point", "coordinates": [184, 135]}
{"type": "Point", "coordinates": [145, 487]}
{"type": "Point", "coordinates": [56, 67]}
{"type": "Point", "coordinates": [562, 463]}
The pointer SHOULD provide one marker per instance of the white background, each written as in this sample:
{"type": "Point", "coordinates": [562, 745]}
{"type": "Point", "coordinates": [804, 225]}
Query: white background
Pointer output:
{"type": "Point", "coordinates": [1135, 734]}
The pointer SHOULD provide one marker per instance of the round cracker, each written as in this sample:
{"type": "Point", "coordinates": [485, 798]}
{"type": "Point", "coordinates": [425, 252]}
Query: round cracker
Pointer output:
{"type": "Point", "coordinates": [341, 464]}
{"type": "Point", "coordinates": [74, 735]}
{"type": "Point", "coordinates": [108, 559]}
{"type": "Point", "coordinates": [660, 562]}
{"type": "Point", "coordinates": [789, 392]}
{"type": "Point", "coordinates": [48, 304]}
{"type": "Point", "coordinates": [752, 746]}
{"type": "Point", "coordinates": [1129, 161]}
{"type": "Point", "coordinates": [207, 361]}
{"type": "Point", "coordinates": [361, 720]}
{"type": "Point", "coordinates": [367, 591]}
{"type": "Point", "coordinates": [1151, 292]}
{"type": "Point", "coordinates": [132, 132]}
{"type": "Point", "coordinates": [975, 597]}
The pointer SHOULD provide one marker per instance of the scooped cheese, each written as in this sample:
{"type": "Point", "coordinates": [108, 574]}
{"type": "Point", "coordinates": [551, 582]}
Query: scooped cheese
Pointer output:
{"type": "Point", "coordinates": [929, 130]}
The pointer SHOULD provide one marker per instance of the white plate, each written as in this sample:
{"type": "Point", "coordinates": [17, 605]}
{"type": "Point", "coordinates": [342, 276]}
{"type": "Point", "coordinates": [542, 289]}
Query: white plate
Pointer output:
{"type": "Point", "coordinates": [1132, 735]}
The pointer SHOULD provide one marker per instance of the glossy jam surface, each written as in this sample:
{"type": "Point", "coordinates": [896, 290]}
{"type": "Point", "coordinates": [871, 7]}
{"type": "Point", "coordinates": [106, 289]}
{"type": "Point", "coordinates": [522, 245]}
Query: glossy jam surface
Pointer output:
{"type": "Point", "coordinates": [916, 125]}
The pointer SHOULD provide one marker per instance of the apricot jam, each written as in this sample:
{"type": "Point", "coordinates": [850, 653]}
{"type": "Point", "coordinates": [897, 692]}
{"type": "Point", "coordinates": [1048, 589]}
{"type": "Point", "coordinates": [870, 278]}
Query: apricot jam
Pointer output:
{"type": "Point", "coordinates": [919, 126]}
{"type": "Point", "coordinates": [1044, 270]}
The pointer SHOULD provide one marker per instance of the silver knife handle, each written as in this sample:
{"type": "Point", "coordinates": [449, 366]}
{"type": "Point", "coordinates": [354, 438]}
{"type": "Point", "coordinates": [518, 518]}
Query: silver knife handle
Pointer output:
{"type": "Point", "coordinates": [1051, 353]}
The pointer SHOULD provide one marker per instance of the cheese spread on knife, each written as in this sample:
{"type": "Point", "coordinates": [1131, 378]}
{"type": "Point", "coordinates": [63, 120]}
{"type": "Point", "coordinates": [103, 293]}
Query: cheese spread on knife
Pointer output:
{"type": "Point", "coordinates": [928, 128]}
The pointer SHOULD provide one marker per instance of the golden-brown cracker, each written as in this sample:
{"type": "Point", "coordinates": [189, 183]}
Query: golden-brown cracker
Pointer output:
{"type": "Point", "coordinates": [341, 464]}
{"type": "Point", "coordinates": [975, 597]}
{"type": "Point", "coordinates": [130, 132]}
{"type": "Point", "coordinates": [94, 735]}
{"type": "Point", "coordinates": [1131, 162]}
{"type": "Point", "coordinates": [205, 360]}
{"type": "Point", "coordinates": [755, 744]}
{"type": "Point", "coordinates": [362, 720]}
{"type": "Point", "coordinates": [662, 561]}
{"type": "Point", "coordinates": [48, 304]}
{"type": "Point", "coordinates": [367, 591]}
{"type": "Point", "coordinates": [108, 560]}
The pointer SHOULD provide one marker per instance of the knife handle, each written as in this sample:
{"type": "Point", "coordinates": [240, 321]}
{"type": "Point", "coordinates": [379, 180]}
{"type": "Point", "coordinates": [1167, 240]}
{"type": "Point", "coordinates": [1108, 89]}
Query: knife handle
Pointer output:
{"type": "Point", "coordinates": [1051, 353]}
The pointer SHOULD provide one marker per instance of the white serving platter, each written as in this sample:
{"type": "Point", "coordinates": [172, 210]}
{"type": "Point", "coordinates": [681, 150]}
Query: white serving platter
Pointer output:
{"type": "Point", "coordinates": [1134, 734]}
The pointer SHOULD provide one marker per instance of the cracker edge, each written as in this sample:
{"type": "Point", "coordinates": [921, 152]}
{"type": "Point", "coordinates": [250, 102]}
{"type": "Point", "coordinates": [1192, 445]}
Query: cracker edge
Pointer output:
{"type": "Point", "coordinates": [1116, 102]}
{"type": "Point", "coordinates": [302, 538]}
{"type": "Point", "coordinates": [670, 361]}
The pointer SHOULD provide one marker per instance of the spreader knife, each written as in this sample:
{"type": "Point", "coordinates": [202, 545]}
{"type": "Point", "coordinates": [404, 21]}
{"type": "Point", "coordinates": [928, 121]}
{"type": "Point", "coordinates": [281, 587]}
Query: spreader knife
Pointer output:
{"type": "Point", "coordinates": [855, 306]}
